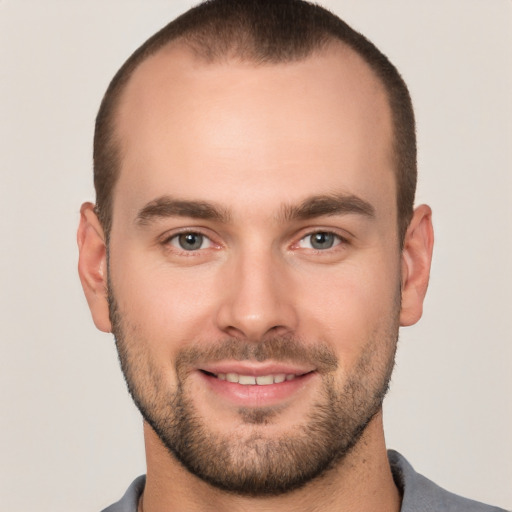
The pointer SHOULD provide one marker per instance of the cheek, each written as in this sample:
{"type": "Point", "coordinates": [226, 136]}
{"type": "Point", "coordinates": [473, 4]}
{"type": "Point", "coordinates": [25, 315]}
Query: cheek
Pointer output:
{"type": "Point", "coordinates": [350, 305]}
{"type": "Point", "coordinates": [343, 305]}
{"type": "Point", "coordinates": [167, 307]}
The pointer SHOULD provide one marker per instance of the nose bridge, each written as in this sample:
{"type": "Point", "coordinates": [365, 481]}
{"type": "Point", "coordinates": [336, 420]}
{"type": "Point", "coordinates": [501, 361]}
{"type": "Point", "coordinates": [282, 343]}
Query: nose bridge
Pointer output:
{"type": "Point", "coordinates": [256, 299]}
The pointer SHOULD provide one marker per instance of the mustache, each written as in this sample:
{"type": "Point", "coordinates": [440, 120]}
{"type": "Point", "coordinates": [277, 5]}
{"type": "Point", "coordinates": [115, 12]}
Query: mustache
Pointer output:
{"type": "Point", "coordinates": [279, 348]}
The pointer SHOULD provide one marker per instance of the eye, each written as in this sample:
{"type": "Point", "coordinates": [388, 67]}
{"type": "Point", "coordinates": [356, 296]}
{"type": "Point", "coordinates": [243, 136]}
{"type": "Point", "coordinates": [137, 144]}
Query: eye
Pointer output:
{"type": "Point", "coordinates": [321, 240]}
{"type": "Point", "coordinates": [190, 241]}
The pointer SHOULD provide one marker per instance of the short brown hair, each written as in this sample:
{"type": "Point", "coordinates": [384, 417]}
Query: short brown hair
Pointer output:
{"type": "Point", "coordinates": [260, 31]}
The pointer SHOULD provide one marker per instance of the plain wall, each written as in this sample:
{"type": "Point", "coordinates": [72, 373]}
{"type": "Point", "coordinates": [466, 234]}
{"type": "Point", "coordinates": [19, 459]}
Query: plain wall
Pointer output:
{"type": "Point", "coordinates": [70, 437]}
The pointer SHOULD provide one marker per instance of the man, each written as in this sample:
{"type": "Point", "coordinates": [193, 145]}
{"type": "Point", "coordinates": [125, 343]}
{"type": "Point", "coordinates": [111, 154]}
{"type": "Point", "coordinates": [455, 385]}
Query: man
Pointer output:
{"type": "Point", "coordinates": [254, 250]}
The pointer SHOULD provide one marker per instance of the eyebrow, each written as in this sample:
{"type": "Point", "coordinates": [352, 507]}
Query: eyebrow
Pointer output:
{"type": "Point", "coordinates": [315, 206]}
{"type": "Point", "coordinates": [328, 205]}
{"type": "Point", "coordinates": [167, 206]}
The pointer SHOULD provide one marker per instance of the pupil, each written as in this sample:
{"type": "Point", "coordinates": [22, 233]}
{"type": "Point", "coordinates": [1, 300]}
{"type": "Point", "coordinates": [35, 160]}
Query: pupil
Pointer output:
{"type": "Point", "coordinates": [322, 240]}
{"type": "Point", "coordinates": [190, 241]}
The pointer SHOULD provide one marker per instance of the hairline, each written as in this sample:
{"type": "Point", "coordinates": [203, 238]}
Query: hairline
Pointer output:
{"type": "Point", "coordinates": [153, 47]}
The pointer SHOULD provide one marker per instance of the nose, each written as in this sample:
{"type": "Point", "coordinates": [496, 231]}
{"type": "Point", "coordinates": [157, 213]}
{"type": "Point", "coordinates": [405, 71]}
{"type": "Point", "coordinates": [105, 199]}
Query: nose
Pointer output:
{"type": "Point", "coordinates": [257, 297]}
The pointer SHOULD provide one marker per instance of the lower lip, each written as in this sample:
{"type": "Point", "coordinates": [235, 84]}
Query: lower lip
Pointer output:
{"type": "Point", "coordinates": [255, 395]}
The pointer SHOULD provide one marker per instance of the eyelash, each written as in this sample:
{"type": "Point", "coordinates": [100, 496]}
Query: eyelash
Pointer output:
{"type": "Point", "coordinates": [167, 242]}
{"type": "Point", "coordinates": [335, 238]}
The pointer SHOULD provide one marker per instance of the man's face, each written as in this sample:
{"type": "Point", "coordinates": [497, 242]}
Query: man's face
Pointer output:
{"type": "Point", "coordinates": [254, 264]}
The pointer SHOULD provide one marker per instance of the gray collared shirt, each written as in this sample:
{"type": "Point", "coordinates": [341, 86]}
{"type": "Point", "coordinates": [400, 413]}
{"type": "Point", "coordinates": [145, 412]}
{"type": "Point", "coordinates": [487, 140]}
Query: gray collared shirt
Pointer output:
{"type": "Point", "coordinates": [419, 493]}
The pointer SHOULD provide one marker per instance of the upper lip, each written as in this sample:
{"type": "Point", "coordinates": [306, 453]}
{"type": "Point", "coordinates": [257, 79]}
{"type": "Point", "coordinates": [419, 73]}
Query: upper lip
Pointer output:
{"type": "Point", "coordinates": [255, 369]}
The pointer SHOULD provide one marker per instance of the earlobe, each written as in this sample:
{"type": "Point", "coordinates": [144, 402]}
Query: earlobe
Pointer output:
{"type": "Point", "coordinates": [92, 265]}
{"type": "Point", "coordinates": [416, 260]}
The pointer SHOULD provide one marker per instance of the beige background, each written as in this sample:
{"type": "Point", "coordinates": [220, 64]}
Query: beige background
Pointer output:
{"type": "Point", "coordinates": [70, 437]}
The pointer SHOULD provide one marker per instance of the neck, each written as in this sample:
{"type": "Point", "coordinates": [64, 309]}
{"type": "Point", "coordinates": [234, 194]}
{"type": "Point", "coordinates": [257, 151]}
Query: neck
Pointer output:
{"type": "Point", "coordinates": [362, 482]}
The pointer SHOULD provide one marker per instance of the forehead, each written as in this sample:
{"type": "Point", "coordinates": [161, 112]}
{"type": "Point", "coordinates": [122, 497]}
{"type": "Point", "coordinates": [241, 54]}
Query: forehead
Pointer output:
{"type": "Point", "coordinates": [212, 130]}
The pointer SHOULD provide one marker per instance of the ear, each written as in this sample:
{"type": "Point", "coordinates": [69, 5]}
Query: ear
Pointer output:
{"type": "Point", "coordinates": [416, 260]}
{"type": "Point", "coordinates": [92, 265]}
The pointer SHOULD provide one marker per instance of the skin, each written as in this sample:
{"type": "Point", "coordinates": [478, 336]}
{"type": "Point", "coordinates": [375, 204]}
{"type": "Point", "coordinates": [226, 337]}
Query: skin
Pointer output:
{"type": "Point", "coordinates": [255, 142]}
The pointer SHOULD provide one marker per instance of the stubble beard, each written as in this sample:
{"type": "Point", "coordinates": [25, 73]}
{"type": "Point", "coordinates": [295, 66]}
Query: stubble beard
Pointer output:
{"type": "Point", "coordinates": [254, 463]}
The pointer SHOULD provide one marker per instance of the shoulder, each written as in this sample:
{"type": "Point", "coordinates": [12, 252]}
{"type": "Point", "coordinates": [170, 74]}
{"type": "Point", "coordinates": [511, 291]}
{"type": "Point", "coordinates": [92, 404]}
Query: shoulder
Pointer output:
{"type": "Point", "coordinates": [130, 500]}
{"type": "Point", "coordinates": [419, 493]}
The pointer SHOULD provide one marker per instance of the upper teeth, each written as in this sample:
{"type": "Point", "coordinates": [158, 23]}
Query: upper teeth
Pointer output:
{"type": "Point", "coordinates": [261, 380]}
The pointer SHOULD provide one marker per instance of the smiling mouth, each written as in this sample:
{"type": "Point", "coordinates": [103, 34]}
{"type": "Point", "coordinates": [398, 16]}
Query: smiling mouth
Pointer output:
{"type": "Point", "coordinates": [255, 380]}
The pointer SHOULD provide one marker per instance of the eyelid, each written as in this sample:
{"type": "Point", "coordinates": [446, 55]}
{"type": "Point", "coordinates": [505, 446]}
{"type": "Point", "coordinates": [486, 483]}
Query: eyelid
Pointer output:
{"type": "Point", "coordinates": [175, 241]}
{"type": "Point", "coordinates": [342, 235]}
{"type": "Point", "coordinates": [339, 250]}
{"type": "Point", "coordinates": [337, 241]}
{"type": "Point", "coordinates": [165, 239]}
